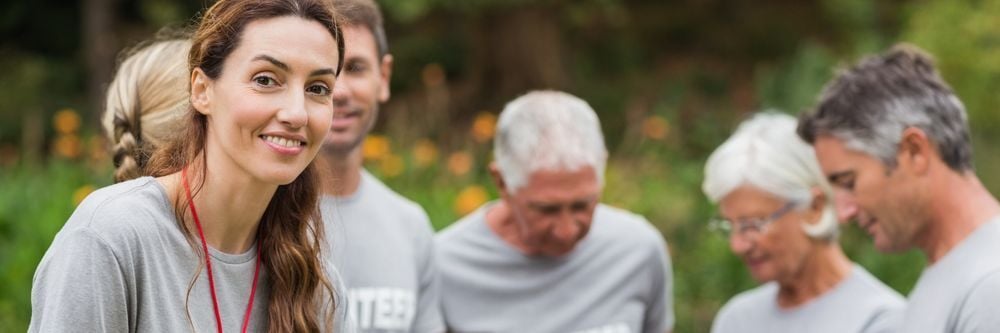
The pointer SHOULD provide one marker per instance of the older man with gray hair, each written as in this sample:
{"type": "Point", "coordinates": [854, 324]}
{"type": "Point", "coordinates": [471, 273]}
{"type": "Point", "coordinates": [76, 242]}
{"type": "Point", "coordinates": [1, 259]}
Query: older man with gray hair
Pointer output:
{"type": "Point", "coordinates": [548, 257]}
{"type": "Point", "coordinates": [893, 136]}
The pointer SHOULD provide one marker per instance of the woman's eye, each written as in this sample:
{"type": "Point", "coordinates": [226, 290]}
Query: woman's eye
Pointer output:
{"type": "Point", "coordinates": [264, 80]}
{"type": "Point", "coordinates": [848, 184]}
{"type": "Point", "coordinates": [318, 89]}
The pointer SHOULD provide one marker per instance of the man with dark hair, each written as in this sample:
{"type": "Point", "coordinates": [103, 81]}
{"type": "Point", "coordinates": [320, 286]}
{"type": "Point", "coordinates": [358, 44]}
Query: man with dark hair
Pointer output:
{"type": "Point", "coordinates": [894, 138]}
{"type": "Point", "coordinates": [380, 241]}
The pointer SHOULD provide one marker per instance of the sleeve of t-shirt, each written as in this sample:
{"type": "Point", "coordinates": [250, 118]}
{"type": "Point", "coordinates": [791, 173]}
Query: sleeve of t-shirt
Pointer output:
{"type": "Point", "coordinates": [79, 287]}
{"type": "Point", "coordinates": [978, 313]}
{"type": "Point", "coordinates": [660, 313]}
{"type": "Point", "coordinates": [888, 320]}
{"type": "Point", "coordinates": [723, 319]}
{"type": "Point", "coordinates": [428, 318]}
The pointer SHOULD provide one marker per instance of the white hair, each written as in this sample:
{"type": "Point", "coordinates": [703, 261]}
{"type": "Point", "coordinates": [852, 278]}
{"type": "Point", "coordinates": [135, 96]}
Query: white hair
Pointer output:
{"type": "Point", "coordinates": [765, 152]}
{"type": "Point", "coordinates": [547, 130]}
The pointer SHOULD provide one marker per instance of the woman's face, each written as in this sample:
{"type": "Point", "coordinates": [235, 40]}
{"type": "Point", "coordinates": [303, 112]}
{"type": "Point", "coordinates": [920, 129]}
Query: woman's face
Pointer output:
{"type": "Point", "coordinates": [778, 251]}
{"type": "Point", "coordinates": [271, 106]}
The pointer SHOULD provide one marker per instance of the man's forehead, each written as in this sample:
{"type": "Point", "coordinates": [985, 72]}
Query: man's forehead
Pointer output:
{"type": "Point", "coordinates": [359, 34]}
{"type": "Point", "coordinates": [566, 199]}
{"type": "Point", "coordinates": [837, 159]}
{"type": "Point", "coordinates": [829, 149]}
{"type": "Point", "coordinates": [541, 176]}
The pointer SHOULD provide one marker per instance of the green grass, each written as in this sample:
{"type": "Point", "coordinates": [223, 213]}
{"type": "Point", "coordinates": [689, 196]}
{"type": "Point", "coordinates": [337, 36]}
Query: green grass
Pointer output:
{"type": "Point", "coordinates": [35, 201]}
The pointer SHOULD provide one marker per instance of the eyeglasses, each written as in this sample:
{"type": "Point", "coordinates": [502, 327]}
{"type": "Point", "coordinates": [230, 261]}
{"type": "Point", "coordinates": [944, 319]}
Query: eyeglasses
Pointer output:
{"type": "Point", "coordinates": [746, 227]}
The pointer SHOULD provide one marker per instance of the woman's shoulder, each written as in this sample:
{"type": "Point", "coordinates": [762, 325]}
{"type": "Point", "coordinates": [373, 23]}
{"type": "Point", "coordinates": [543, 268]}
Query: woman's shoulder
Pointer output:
{"type": "Point", "coordinates": [761, 297]}
{"type": "Point", "coordinates": [123, 208]}
{"type": "Point", "coordinates": [745, 307]}
{"type": "Point", "coordinates": [866, 289]}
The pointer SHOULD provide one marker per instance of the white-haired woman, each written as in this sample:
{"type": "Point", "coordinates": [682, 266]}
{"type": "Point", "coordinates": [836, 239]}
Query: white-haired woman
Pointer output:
{"type": "Point", "coordinates": [777, 210]}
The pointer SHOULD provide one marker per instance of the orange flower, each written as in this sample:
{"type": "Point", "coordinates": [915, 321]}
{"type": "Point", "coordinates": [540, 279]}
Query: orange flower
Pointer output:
{"type": "Point", "coordinates": [375, 147]}
{"type": "Point", "coordinates": [424, 153]}
{"type": "Point", "coordinates": [81, 193]}
{"type": "Point", "coordinates": [469, 199]}
{"type": "Point", "coordinates": [484, 127]}
{"type": "Point", "coordinates": [655, 127]}
{"type": "Point", "coordinates": [459, 163]}
{"type": "Point", "coordinates": [391, 165]}
{"type": "Point", "coordinates": [67, 146]}
{"type": "Point", "coordinates": [66, 121]}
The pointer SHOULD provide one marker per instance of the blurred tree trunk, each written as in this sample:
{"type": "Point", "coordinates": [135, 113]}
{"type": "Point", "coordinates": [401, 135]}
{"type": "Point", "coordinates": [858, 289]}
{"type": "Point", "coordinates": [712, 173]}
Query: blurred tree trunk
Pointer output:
{"type": "Point", "coordinates": [511, 50]}
{"type": "Point", "coordinates": [99, 47]}
{"type": "Point", "coordinates": [514, 51]}
{"type": "Point", "coordinates": [526, 41]}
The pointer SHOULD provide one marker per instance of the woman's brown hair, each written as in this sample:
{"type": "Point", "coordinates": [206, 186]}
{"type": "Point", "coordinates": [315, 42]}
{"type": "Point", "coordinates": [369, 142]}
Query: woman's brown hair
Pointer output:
{"type": "Point", "coordinates": [291, 230]}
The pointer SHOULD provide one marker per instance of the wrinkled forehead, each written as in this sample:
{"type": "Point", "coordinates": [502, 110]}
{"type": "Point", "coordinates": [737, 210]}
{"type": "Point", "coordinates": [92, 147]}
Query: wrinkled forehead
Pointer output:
{"type": "Point", "coordinates": [834, 155]}
{"type": "Point", "coordinates": [561, 185]}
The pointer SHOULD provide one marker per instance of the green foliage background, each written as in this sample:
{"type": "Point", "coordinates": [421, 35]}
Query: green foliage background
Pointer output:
{"type": "Point", "coordinates": [701, 66]}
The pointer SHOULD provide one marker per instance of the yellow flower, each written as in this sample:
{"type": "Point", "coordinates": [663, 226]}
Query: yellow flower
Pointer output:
{"type": "Point", "coordinates": [66, 121]}
{"type": "Point", "coordinates": [81, 193]}
{"type": "Point", "coordinates": [459, 163]}
{"type": "Point", "coordinates": [391, 165]}
{"type": "Point", "coordinates": [375, 147]}
{"type": "Point", "coordinates": [655, 127]}
{"type": "Point", "coordinates": [67, 146]}
{"type": "Point", "coordinates": [424, 153]}
{"type": "Point", "coordinates": [484, 127]}
{"type": "Point", "coordinates": [469, 199]}
{"type": "Point", "coordinates": [432, 75]}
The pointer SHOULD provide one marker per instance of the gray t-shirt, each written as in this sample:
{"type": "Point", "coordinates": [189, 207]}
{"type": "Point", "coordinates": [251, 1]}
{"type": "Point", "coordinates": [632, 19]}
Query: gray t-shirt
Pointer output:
{"type": "Point", "coordinates": [961, 292]}
{"type": "Point", "coordinates": [616, 280]}
{"type": "Point", "coordinates": [383, 245]}
{"type": "Point", "coordinates": [858, 304]}
{"type": "Point", "coordinates": [122, 264]}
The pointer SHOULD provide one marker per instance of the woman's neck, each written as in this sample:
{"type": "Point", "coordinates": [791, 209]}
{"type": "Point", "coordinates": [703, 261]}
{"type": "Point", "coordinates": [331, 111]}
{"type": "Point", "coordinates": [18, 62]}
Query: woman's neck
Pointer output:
{"type": "Point", "coordinates": [229, 204]}
{"type": "Point", "coordinates": [823, 269]}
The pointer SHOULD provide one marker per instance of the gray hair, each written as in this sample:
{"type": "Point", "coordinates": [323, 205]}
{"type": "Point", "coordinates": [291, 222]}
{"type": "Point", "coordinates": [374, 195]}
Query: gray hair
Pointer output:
{"type": "Point", "coordinates": [547, 130]}
{"type": "Point", "coordinates": [765, 152]}
{"type": "Point", "coordinates": [869, 105]}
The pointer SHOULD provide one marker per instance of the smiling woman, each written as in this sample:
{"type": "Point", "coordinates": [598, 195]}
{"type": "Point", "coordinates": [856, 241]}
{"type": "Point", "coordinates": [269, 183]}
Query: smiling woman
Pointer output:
{"type": "Point", "coordinates": [227, 234]}
{"type": "Point", "coordinates": [778, 214]}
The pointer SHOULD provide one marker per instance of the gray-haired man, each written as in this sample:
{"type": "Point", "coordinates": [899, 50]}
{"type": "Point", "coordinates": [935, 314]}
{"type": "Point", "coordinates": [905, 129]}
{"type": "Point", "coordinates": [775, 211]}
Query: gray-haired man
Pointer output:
{"type": "Point", "coordinates": [892, 135]}
{"type": "Point", "coordinates": [548, 257]}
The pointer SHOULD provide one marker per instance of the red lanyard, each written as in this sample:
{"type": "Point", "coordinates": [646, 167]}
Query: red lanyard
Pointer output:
{"type": "Point", "coordinates": [208, 263]}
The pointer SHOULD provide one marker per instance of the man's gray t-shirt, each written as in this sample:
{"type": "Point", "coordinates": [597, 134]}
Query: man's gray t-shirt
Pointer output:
{"type": "Point", "coordinates": [383, 245]}
{"type": "Point", "coordinates": [122, 264]}
{"type": "Point", "coordinates": [617, 280]}
{"type": "Point", "coordinates": [858, 304]}
{"type": "Point", "coordinates": [961, 292]}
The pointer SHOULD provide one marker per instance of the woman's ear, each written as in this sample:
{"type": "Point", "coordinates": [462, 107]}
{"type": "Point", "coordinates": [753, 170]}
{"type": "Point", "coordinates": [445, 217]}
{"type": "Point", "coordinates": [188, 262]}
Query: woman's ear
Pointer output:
{"type": "Point", "coordinates": [818, 205]}
{"type": "Point", "coordinates": [201, 92]}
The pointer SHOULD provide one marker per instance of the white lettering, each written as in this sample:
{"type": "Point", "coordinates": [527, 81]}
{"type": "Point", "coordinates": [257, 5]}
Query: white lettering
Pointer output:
{"type": "Point", "coordinates": [382, 307]}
